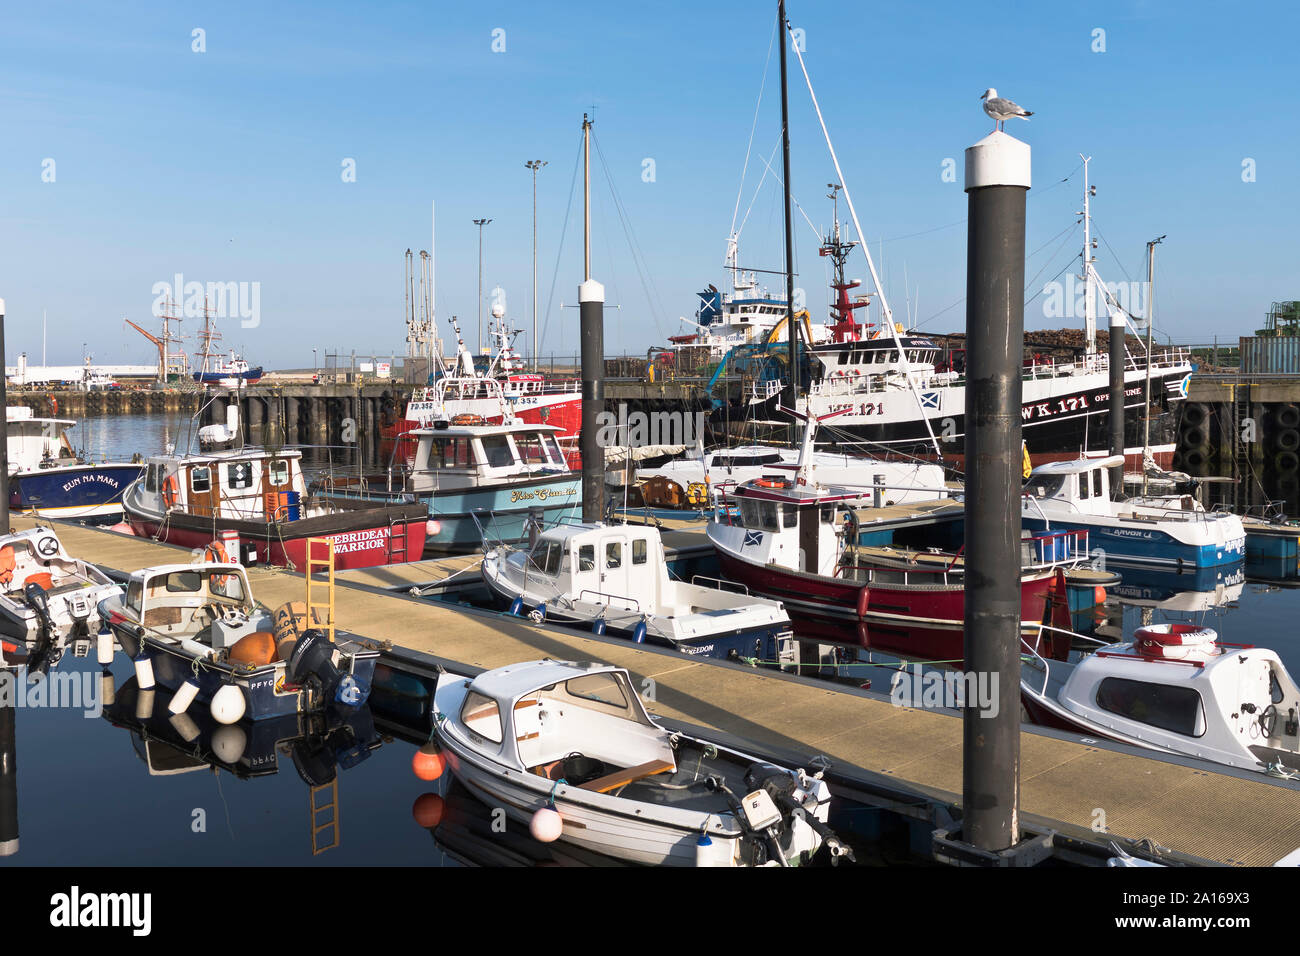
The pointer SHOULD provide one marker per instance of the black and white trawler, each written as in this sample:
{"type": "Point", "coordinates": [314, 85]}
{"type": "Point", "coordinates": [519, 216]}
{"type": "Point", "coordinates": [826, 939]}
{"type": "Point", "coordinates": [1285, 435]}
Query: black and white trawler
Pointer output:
{"type": "Point", "coordinates": [900, 391]}
{"type": "Point", "coordinates": [569, 749]}
{"type": "Point", "coordinates": [614, 579]}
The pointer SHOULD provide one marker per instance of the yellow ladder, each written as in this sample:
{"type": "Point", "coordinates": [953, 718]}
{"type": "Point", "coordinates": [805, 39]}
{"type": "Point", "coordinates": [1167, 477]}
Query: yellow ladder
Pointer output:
{"type": "Point", "coordinates": [331, 823]}
{"type": "Point", "coordinates": [326, 564]}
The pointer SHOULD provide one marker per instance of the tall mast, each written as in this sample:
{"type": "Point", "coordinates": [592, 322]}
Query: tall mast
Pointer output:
{"type": "Point", "coordinates": [792, 331]}
{"type": "Point", "coordinates": [586, 198]}
{"type": "Point", "coordinates": [1089, 305]}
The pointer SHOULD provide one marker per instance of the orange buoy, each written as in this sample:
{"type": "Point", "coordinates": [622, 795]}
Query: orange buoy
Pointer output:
{"type": "Point", "coordinates": [427, 810]}
{"type": "Point", "coordinates": [428, 762]}
{"type": "Point", "coordinates": [1098, 596]}
{"type": "Point", "coordinates": [122, 527]}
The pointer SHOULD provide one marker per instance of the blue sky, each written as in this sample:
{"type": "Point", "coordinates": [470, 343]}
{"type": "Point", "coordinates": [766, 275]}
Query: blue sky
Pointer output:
{"type": "Point", "coordinates": [226, 165]}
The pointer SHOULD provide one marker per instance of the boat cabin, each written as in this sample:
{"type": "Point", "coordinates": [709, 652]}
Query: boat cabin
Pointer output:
{"type": "Point", "coordinates": [36, 443]}
{"type": "Point", "coordinates": [856, 362]}
{"type": "Point", "coordinates": [1081, 486]}
{"type": "Point", "coordinates": [250, 485]}
{"type": "Point", "coordinates": [184, 600]}
{"type": "Point", "coordinates": [798, 524]}
{"type": "Point", "coordinates": [454, 456]}
{"type": "Point", "coordinates": [531, 716]}
{"type": "Point", "coordinates": [617, 565]}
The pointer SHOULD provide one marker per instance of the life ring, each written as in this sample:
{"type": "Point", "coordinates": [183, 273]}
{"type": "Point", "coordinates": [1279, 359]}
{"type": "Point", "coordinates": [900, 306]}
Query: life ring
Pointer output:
{"type": "Point", "coordinates": [467, 419]}
{"type": "Point", "coordinates": [216, 553]}
{"type": "Point", "coordinates": [773, 483]}
{"type": "Point", "coordinates": [170, 491]}
{"type": "Point", "coordinates": [1175, 635]}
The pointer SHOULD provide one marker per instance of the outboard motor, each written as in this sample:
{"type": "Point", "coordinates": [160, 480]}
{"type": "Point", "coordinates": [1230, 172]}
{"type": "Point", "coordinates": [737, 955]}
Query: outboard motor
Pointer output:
{"type": "Point", "coordinates": [42, 654]}
{"type": "Point", "coordinates": [312, 661]}
{"type": "Point", "coordinates": [781, 785]}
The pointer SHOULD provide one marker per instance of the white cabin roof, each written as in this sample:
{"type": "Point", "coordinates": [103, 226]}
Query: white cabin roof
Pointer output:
{"type": "Point", "coordinates": [1078, 465]}
{"type": "Point", "coordinates": [508, 684]}
{"type": "Point", "coordinates": [484, 430]}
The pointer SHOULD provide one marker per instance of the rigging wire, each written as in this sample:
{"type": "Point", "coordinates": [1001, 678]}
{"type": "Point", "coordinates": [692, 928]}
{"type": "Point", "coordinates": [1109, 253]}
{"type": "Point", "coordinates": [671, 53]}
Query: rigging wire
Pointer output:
{"type": "Point", "coordinates": [559, 251]}
{"type": "Point", "coordinates": [752, 129]}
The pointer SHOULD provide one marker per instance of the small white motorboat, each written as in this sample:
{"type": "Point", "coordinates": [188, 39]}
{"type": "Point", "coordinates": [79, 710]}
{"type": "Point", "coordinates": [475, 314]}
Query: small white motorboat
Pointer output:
{"type": "Point", "coordinates": [1174, 688]}
{"type": "Point", "coordinates": [47, 597]}
{"type": "Point", "coordinates": [614, 578]}
{"type": "Point", "coordinates": [570, 750]}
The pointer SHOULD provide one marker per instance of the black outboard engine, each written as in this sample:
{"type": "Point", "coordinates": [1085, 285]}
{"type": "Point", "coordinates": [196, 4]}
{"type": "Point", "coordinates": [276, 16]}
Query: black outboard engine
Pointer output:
{"type": "Point", "coordinates": [780, 786]}
{"type": "Point", "coordinates": [312, 662]}
{"type": "Point", "coordinates": [42, 654]}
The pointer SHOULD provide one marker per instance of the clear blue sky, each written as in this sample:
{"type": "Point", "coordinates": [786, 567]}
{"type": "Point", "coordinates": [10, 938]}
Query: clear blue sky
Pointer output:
{"type": "Point", "coordinates": [225, 165]}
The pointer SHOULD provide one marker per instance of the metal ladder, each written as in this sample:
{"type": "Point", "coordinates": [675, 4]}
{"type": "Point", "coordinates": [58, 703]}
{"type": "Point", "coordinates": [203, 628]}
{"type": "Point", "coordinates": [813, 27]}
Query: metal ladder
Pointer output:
{"type": "Point", "coordinates": [393, 537]}
{"type": "Point", "coordinates": [331, 823]}
{"type": "Point", "coordinates": [325, 564]}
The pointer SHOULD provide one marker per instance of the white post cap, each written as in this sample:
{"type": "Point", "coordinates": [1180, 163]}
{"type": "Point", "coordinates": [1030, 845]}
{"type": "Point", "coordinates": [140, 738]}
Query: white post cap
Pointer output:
{"type": "Point", "coordinates": [997, 160]}
{"type": "Point", "coordinates": [591, 291]}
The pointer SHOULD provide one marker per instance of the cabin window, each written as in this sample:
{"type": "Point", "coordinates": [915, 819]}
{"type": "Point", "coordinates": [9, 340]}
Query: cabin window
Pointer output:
{"type": "Point", "coordinates": [1274, 688]}
{"type": "Point", "coordinates": [554, 450]}
{"type": "Point", "coordinates": [532, 451]}
{"type": "Point", "coordinates": [200, 479]}
{"type": "Point", "coordinates": [828, 514]}
{"type": "Point", "coordinates": [757, 514]}
{"type": "Point", "coordinates": [602, 689]}
{"type": "Point", "coordinates": [184, 582]}
{"type": "Point", "coordinates": [134, 591]}
{"type": "Point", "coordinates": [639, 551]}
{"type": "Point", "coordinates": [239, 474]}
{"type": "Point", "coordinates": [1176, 709]}
{"type": "Point", "coordinates": [226, 586]}
{"type": "Point", "coordinates": [496, 451]}
{"type": "Point", "coordinates": [151, 478]}
{"type": "Point", "coordinates": [546, 557]}
{"type": "Point", "coordinates": [587, 558]}
{"type": "Point", "coordinates": [279, 472]}
{"type": "Point", "coordinates": [789, 516]}
{"type": "Point", "coordinates": [1083, 486]}
{"type": "Point", "coordinates": [1096, 483]}
{"type": "Point", "coordinates": [449, 453]}
{"type": "Point", "coordinates": [613, 555]}
{"type": "Point", "coordinates": [1046, 486]}
{"type": "Point", "coordinates": [482, 715]}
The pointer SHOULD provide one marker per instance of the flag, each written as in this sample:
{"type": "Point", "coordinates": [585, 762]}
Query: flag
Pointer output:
{"type": "Point", "coordinates": [753, 539]}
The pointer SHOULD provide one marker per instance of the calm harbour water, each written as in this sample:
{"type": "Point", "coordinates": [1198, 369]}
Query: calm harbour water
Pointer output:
{"type": "Point", "coordinates": [92, 793]}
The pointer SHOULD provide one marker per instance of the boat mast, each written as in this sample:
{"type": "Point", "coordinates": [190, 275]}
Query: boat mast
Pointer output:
{"type": "Point", "coordinates": [1089, 305]}
{"type": "Point", "coordinates": [1151, 314]}
{"type": "Point", "coordinates": [792, 330]}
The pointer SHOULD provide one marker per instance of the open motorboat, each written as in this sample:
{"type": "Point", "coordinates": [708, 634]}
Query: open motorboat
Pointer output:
{"type": "Point", "coordinates": [549, 739]}
{"type": "Point", "coordinates": [47, 597]}
{"type": "Point", "coordinates": [1171, 532]}
{"type": "Point", "coordinates": [1174, 688]}
{"type": "Point", "coordinates": [196, 630]}
{"type": "Point", "coordinates": [48, 478]}
{"type": "Point", "coordinates": [615, 578]}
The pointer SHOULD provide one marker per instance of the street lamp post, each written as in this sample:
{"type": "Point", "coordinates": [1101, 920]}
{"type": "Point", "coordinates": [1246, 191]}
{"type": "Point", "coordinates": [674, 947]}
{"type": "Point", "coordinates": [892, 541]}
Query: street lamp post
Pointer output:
{"type": "Point", "coordinates": [480, 223]}
{"type": "Point", "coordinates": [535, 165]}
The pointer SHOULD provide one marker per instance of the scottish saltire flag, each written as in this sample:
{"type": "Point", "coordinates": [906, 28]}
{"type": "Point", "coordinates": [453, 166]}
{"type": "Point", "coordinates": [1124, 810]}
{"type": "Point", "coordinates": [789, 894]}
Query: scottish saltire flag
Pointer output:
{"type": "Point", "coordinates": [929, 399]}
{"type": "Point", "coordinates": [753, 539]}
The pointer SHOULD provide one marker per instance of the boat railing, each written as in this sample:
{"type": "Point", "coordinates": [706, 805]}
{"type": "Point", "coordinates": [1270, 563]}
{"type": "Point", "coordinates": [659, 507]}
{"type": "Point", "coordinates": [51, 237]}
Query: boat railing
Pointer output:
{"type": "Point", "coordinates": [1054, 548]}
{"type": "Point", "coordinates": [721, 584]}
{"type": "Point", "coordinates": [636, 608]}
{"type": "Point", "coordinates": [1036, 659]}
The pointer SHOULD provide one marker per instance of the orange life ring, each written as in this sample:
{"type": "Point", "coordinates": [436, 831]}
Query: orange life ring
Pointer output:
{"type": "Point", "coordinates": [216, 552]}
{"type": "Point", "coordinates": [467, 418]}
{"type": "Point", "coordinates": [170, 491]}
{"type": "Point", "coordinates": [773, 482]}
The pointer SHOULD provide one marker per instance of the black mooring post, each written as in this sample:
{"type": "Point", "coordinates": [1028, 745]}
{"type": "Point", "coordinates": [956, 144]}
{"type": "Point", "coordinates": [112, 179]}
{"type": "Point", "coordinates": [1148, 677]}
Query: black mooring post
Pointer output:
{"type": "Point", "coordinates": [591, 310]}
{"type": "Point", "coordinates": [8, 768]}
{"type": "Point", "coordinates": [997, 180]}
{"type": "Point", "coordinates": [791, 329]}
{"type": "Point", "coordinates": [4, 428]}
{"type": "Point", "coordinates": [1117, 353]}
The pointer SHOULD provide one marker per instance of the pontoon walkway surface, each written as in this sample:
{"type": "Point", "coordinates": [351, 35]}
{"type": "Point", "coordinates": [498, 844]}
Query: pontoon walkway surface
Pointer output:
{"type": "Point", "coordinates": [1219, 817]}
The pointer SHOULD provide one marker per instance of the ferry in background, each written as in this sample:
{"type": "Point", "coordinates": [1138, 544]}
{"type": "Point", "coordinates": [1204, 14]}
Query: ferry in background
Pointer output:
{"type": "Point", "coordinates": [47, 477]}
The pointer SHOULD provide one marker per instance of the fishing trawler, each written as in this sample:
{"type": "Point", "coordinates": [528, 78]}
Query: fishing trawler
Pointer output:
{"type": "Point", "coordinates": [259, 496]}
{"type": "Point", "coordinates": [902, 392]}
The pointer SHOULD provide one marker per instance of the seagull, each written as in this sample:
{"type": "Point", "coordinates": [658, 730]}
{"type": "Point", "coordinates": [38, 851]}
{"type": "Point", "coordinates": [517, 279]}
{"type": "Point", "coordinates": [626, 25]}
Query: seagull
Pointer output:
{"type": "Point", "coordinates": [1002, 109]}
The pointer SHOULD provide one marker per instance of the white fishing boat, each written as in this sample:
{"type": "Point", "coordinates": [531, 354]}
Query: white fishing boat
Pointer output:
{"type": "Point", "coordinates": [1174, 688]}
{"type": "Point", "coordinates": [1174, 532]}
{"type": "Point", "coordinates": [569, 749]}
{"type": "Point", "coordinates": [614, 579]}
{"type": "Point", "coordinates": [48, 597]}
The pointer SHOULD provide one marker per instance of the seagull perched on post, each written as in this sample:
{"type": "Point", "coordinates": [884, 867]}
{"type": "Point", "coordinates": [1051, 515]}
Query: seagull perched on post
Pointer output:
{"type": "Point", "coordinates": [1001, 109]}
